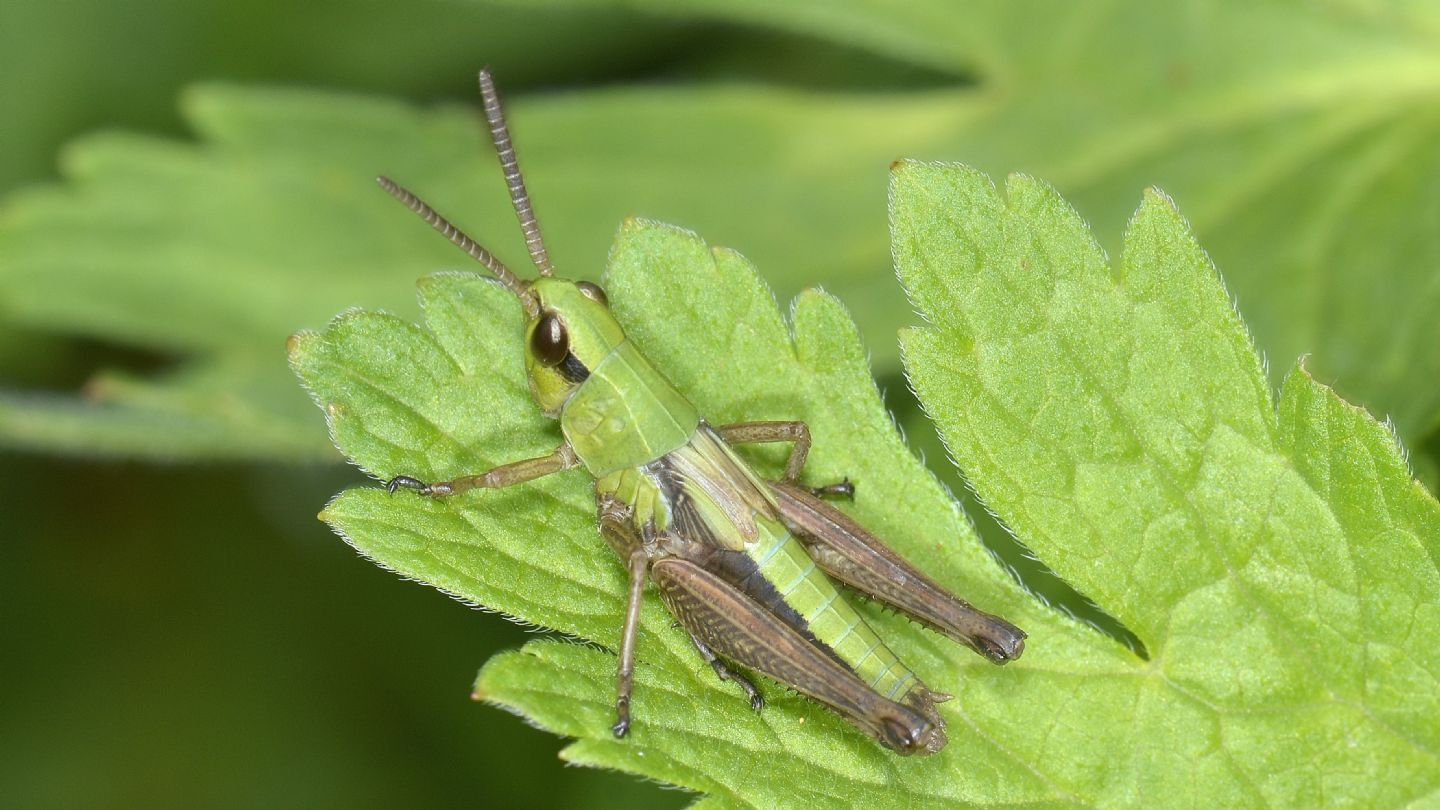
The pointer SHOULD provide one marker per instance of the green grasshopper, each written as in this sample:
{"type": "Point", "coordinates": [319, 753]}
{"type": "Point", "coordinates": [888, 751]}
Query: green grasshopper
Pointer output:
{"type": "Point", "coordinates": [744, 564]}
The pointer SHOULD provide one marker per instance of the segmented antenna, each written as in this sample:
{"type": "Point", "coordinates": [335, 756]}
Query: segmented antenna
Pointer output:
{"type": "Point", "coordinates": [516, 183]}
{"type": "Point", "coordinates": [458, 237]}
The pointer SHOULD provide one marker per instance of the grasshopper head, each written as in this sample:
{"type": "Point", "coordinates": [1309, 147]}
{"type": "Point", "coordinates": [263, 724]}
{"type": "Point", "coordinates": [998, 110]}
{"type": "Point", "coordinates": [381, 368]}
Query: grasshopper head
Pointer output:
{"type": "Point", "coordinates": [570, 326]}
{"type": "Point", "coordinates": [569, 335]}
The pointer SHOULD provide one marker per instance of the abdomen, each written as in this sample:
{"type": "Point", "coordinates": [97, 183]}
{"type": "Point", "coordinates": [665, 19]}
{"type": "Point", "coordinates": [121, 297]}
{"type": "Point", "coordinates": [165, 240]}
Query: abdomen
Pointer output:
{"type": "Point", "coordinates": [817, 608]}
{"type": "Point", "coordinates": [703, 503]}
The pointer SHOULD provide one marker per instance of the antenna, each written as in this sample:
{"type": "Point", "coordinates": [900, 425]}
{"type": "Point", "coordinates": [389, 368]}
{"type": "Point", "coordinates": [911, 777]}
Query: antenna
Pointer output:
{"type": "Point", "coordinates": [516, 183]}
{"type": "Point", "coordinates": [458, 238]}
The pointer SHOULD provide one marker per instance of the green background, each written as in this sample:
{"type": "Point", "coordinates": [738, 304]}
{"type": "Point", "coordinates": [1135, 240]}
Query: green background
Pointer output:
{"type": "Point", "coordinates": [191, 635]}
{"type": "Point", "coordinates": [187, 634]}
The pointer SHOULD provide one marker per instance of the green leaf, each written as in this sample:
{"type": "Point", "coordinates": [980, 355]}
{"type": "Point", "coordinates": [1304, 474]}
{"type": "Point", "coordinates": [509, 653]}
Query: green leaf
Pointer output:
{"type": "Point", "coordinates": [49, 66]}
{"type": "Point", "coordinates": [210, 252]}
{"type": "Point", "coordinates": [1261, 689]}
{"type": "Point", "coordinates": [232, 407]}
{"type": "Point", "coordinates": [1299, 139]}
{"type": "Point", "coordinates": [452, 398]}
{"type": "Point", "coordinates": [1279, 563]}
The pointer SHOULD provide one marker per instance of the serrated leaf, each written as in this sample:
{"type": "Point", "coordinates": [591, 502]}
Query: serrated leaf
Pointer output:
{"type": "Point", "coordinates": [1231, 710]}
{"type": "Point", "coordinates": [1280, 566]}
{"type": "Point", "coordinates": [534, 552]}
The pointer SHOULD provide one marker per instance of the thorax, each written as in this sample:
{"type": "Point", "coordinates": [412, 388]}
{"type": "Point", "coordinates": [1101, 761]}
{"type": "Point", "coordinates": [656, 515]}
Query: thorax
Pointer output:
{"type": "Point", "coordinates": [626, 414]}
{"type": "Point", "coordinates": [700, 493]}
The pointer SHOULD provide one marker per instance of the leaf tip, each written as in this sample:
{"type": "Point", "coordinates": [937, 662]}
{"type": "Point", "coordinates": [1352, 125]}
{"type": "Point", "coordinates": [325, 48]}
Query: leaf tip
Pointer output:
{"type": "Point", "coordinates": [1301, 382]}
{"type": "Point", "coordinates": [99, 388]}
{"type": "Point", "coordinates": [295, 344]}
{"type": "Point", "coordinates": [1016, 180]}
{"type": "Point", "coordinates": [1157, 194]}
{"type": "Point", "coordinates": [632, 223]}
{"type": "Point", "coordinates": [633, 227]}
{"type": "Point", "coordinates": [1155, 200]}
{"type": "Point", "coordinates": [906, 172]}
{"type": "Point", "coordinates": [191, 100]}
{"type": "Point", "coordinates": [203, 104]}
{"type": "Point", "coordinates": [1302, 365]}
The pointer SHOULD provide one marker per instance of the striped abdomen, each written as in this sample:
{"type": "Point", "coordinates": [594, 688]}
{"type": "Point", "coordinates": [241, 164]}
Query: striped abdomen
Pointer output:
{"type": "Point", "coordinates": [783, 562]}
{"type": "Point", "coordinates": [703, 493]}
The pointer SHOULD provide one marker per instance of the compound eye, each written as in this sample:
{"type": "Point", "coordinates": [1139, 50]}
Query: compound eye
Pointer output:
{"type": "Point", "coordinates": [593, 292]}
{"type": "Point", "coordinates": [549, 343]}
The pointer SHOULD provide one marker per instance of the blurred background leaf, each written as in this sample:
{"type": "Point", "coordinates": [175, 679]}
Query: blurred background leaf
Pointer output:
{"type": "Point", "coordinates": [144, 301]}
{"type": "Point", "coordinates": [1300, 136]}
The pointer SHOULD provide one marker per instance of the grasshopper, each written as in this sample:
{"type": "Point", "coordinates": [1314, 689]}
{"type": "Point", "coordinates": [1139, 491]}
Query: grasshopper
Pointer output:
{"type": "Point", "coordinates": [744, 564]}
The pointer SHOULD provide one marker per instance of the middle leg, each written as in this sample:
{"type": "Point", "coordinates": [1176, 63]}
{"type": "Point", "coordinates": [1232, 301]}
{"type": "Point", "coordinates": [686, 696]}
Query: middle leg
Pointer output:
{"type": "Point", "coordinates": [796, 432]}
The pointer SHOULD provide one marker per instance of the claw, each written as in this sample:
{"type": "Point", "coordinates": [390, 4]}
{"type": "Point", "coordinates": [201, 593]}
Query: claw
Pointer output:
{"type": "Point", "coordinates": [408, 483]}
{"type": "Point", "coordinates": [844, 489]}
{"type": "Point", "coordinates": [622, 716]}
{"type": "Point", "coordinates": [757, 701]}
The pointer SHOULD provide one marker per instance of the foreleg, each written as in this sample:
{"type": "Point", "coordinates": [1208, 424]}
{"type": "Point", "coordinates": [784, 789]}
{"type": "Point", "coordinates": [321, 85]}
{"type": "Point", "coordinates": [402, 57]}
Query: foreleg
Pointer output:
{"type": "Point", "coordinates": [505, 475]}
